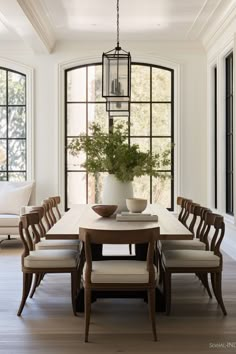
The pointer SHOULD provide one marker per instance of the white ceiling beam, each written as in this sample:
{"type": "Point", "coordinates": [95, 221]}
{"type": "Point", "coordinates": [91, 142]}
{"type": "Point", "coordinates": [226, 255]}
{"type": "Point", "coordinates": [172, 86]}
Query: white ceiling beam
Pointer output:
{"type": "Point", "coordinates": [38, 19]}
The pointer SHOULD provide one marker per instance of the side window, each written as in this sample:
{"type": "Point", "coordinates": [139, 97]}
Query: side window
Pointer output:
{"type": "Point", "coordinates": [229, 166]}
{"type": "Point", "coordinates": [12, 125]}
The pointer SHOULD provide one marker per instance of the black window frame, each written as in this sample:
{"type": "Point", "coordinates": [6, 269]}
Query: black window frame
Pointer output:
{"type": "Point", "coordinates": [8, 171]}
{"type": "Point", "coordinates": [171, 102]}
{"type": "Point", "coordinates": [215, 138]}
{"type": "Point", "coordinates": [229, 167]}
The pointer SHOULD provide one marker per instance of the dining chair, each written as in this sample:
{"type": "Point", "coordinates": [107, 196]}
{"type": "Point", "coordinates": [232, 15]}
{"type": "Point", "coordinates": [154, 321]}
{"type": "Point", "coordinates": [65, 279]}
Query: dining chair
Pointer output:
{"type": "Point", "coordinates": [49, 218]}
{"type": "Point", "coordinates": [119, 275]}
{"type": "Point", "coordinates": [201, 262]}
{"type": "Point", "coordinates": [40, 243]}
{"type": "Point", "coordinates": [39, 262]}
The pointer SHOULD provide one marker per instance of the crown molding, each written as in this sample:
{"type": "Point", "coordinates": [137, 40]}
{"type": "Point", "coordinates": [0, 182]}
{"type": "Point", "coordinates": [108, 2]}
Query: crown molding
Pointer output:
{"type": "Point", "coordinates": [39, 21]}
{"type": "Point", "coordinates": [202, 19]}
{"type": "Point", "coordinates": [217, 27]}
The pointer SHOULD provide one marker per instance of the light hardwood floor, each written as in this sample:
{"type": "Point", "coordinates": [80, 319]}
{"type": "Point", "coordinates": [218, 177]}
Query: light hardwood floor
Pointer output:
{"type": "Point", "coordinates": [47, 325]}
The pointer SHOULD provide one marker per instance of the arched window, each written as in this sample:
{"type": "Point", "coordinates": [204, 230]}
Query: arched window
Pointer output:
{"type": "Point", "coordinates": [12, 125]}
{"type": "Point", "coordinates": [152, 127]}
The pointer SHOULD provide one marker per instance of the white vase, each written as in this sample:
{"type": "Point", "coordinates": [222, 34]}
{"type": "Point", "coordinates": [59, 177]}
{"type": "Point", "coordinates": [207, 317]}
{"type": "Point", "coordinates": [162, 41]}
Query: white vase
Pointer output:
{"type": "Point", "coordinates": [116, 192]}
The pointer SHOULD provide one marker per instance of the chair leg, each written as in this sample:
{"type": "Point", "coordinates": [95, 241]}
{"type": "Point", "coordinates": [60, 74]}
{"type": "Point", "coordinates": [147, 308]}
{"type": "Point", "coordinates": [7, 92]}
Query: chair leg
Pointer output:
{"type": "Point", "coordinates": [74, 288]}
{"type": "Point", "coordinates": [204, 279]}
{"type": "Point", "coordinates": [152, 315]}
{"type": "Point", "coordinates": [27, 281]}
{"type": "Point", "coordinates": [167, 286]}
{"type": "Point", "coordinates": [130, 248]}
{"type": "Point", "coordinates": [218, 288]}
{"type": "Point", "coordinates": [87, 300]}
{"type": "Point", "coordinates": [35, 284]}
{"type": "Point", "coordinates": [213, 283]}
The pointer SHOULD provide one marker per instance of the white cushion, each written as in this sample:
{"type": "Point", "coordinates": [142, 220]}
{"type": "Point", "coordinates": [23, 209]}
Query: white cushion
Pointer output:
{"type": "Point", "coordinates": [52, 259]}
{"type": "Point", "coordinates": [190, 258]}
{"type": "Point", "coordinates": [9, 220]}
{"type": "Point", "coordinates": [58, 244]}
{"type": "Point", "coordinates": [13, 195]}
{"type": "Point", "coordinates": [182, 245]}
{"type": "Point", "coordinates": [119, 272]}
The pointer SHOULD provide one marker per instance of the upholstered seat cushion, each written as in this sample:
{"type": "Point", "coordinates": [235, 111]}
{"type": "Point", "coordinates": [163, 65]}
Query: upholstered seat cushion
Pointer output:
{"type": "Point", "coordinates": [58, 244]}
{"type": "Point", "coordinates": [119, 272]}
{"type": "Point", "coordinates": [52, 259]}
{"type": "Point", "coordinates": [9, 220]}
{"type": "Point", "coordinates": [190, 258]}
{"type": "Point", "coordinates": [182, 245]}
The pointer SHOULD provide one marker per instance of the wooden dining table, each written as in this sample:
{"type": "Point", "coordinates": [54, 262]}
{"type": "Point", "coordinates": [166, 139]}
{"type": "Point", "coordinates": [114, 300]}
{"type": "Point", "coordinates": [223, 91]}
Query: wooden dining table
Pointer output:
{"type": "Point", "coordinates": [82, 216]}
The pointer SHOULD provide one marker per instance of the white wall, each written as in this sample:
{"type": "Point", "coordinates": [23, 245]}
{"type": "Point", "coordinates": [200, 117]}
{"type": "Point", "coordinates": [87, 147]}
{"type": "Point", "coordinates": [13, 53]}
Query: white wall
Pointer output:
{"type": "Point", "coordinates": [189, 57]}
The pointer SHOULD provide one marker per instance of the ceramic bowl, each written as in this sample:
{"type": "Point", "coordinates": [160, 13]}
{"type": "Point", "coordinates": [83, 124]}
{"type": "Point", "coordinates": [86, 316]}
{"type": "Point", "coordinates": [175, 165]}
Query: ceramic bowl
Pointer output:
{"type": "Point", "coordinates": [136, 205]}
{"type": "Point", "coordinates": [104, 210]}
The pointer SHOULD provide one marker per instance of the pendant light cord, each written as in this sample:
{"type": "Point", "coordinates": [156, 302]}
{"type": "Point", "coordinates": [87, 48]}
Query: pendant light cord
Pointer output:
{"type": "Point", "coordinates": [118, 27]}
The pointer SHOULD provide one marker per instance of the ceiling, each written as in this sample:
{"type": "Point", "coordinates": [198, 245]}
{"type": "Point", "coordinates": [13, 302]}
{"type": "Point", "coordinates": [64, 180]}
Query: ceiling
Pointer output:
{"type": "Point", "coordinates": [48, 21]}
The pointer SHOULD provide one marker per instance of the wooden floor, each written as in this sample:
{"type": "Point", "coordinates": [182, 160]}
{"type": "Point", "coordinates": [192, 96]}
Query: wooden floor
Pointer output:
{"type": "Point", "coordinates": [47, 325]}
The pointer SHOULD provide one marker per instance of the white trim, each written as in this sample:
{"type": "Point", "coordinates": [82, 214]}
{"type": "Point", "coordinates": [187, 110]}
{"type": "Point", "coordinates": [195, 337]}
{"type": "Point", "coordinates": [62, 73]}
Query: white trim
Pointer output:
{"type": "Point", "coordinates": [29, 72]}
{"type": "Point", "coordinates": [219, 61]}
{"type": "Point", "coordinates": [61, 109]}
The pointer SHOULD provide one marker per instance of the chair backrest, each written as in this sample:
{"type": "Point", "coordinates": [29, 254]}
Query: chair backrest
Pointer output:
{"type": "Point", "coordinates": [41, 227]}
{"type": "Point", "coordinates": [28, 231]}
{"type": "Point", "coordinates": [55, 202]}
{"type": "Point", "coordinates": [191, 217]}
{"type": "Point", "coordinates": [201, 213]}
{"type": "Point", "coordinates": [50, 220]}
{"type": "Point", "coordinates": [183, 203]}
{"type": "Point", "coordinates": [213, 223]}
{"type": "Point", "coordinates": [119, 237]}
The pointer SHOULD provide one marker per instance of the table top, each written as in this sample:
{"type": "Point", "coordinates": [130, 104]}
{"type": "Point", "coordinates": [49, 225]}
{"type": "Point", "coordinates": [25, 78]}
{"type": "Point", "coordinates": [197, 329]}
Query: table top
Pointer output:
{"type": "Point", "coordinates": [81, 215]}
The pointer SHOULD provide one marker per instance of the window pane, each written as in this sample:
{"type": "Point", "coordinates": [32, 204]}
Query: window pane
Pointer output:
{"type": "Point", "coordinates": [160, 145]}
{"type": "Point", "coordinates": [141, 187]}
{"type": "Point", "coordinates": [161, 187]}
{"type": "Point", "coordinates": [75, 162]}
{"type": "Point", "coordinates": [2, 86]}
{"type": "Point", "coordinates": [16, 88]}
{"type": "Point", "coordinates": [97, 113]}
{"type": "Point", "coordinates": [161, 119]}
{"type": "Point", "coordinates": [3, 122]}
{"type": "Point", "coordinates": [76, 85]}
{"type": "Point", "coordinates": [161, 85]}
{"type": "Point", "coordinates": [3, 166]}
{"type": "Point", "coordinates": [17, 176]}
{"type": "Point", "coordinates": [3, 176]}
{"type": "Point", "coordinates": [95, 83]}
{"type": "Point", "coordinates": [16, 155]}
{"type": "Point", "coordinates": [76, 119]}
{"type": "Point", "coordinates": [16, 122]}
{"type": "Point", "coordinates": [140, 119]}
{"type": "Point", "coordinates": [76, 188]}
{"type": "Point", "coordinates": [95, 185]}
{"type": "Point", "coordinates": [140, 83]}
{"type": "Point", "coordinates": [144, 143]}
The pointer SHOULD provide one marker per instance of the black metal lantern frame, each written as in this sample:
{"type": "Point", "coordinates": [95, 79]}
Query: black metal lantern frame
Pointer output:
{"type": "Point", "coordinates": [116, 76]}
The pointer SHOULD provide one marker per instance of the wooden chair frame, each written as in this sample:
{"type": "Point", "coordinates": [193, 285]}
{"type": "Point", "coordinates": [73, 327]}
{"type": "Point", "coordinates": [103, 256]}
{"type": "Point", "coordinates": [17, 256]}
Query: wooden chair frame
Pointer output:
{"type": "Point", "coordinates": [26, 228]}
{"type": "Point", "coordinates": [211, 220]}
{"type": "Point", "coordinates": [90, 237]}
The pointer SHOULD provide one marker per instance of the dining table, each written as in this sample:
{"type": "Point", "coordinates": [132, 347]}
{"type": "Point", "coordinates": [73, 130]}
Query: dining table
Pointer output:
{"type": "Point", "coordinates": [83, 216]}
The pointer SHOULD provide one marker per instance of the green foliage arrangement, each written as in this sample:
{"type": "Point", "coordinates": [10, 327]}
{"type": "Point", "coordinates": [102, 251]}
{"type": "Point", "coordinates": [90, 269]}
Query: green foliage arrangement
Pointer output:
{"type": "Point", "coordinates": [110, 152]}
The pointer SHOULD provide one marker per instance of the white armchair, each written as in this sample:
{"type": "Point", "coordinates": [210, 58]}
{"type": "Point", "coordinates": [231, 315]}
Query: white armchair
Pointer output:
{"type": "Point", "coordinates": [13, 195]}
